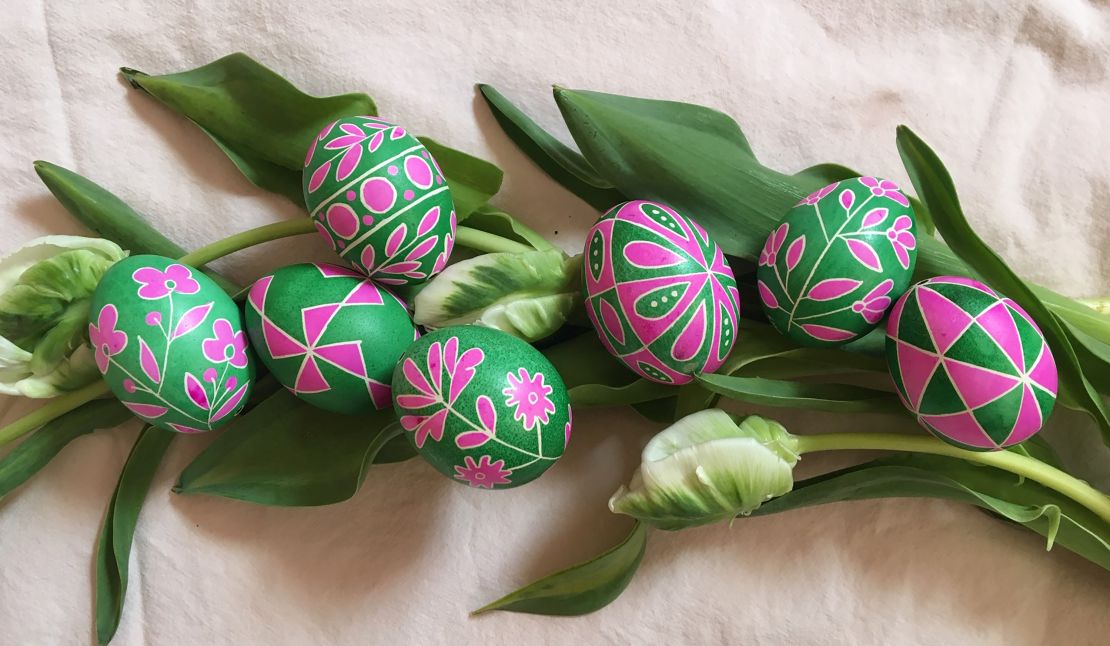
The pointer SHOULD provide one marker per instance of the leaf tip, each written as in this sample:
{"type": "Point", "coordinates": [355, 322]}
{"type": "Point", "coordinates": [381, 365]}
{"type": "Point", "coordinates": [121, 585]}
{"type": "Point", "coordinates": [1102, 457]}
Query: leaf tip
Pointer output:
{"type": "Point", "coordinates": [131, 75]}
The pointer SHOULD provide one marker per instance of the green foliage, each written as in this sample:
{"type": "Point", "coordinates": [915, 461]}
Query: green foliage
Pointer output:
{"type": "Point", "coordinates": [472, 180]}
{"type": "Point", "coordinates": [33, 453]}
{"type": "Point", "coordinates": [934, 184]}
{"type": "Point", "coordinates": [582, 588]}
{"type": "Point", "coordinates": [285, 452]}
{"type": "Point", "coordinates": [111, 218]}
{"type": "Point", "coordinates": [114, 546]}
{"type": "Point", "coordinates": [1055, 516]}
{"type": "Point", "coordinates": [831, 398]}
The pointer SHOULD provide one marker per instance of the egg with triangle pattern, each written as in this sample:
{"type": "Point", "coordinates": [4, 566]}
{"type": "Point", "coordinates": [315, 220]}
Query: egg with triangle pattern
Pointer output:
{"type": "Point", "coordinates": [970, 364]}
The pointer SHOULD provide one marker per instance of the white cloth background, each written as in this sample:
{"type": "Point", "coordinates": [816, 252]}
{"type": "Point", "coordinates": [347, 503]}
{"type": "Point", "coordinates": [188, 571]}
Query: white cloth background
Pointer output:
{"type": "Point", "coordinates": [1014, 95]}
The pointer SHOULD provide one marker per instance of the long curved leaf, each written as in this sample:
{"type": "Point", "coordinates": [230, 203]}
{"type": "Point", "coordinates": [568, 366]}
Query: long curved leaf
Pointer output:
{"type": "Point", "coordinates": [285, 452]}
{"type": "Point", "coordinates": [33, 453]}
{"type": "Point", "coordinates": [583, 588]}
{"type": "Point", "coordinates": [1055, 516]}
{"type": "Point", "coordinates": [832, 398]}
{"type": "Point", "coordinates": [114, 545]}
{"type": "Point", "coordinates": [249, 108]}
{"type": "Point", "coordinates": [561, 162]}
{"type": "Point", "coordinates": [690, 157]}
{"type": "Point", "coordinates": [934, 184]}
{"type": "Point", "coordinates": [110, 217]}
{"type": "Point", "coordinates": [493, 220]}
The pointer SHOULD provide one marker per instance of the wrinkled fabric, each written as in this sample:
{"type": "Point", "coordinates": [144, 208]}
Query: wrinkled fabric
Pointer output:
{"type": "Point", "coordinates": [1012, 95]}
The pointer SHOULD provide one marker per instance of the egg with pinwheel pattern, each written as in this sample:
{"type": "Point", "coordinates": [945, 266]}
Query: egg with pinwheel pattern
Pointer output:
{"type": "Point", "coordinates": [659, 292]}
{"type": "Point", "coordinates": [379, 200]}
{"type": "Point", "coordinates": [482, 406]}
{"type": "Point", "coordinates": [328, 334]}
{"type": "Point", "coordinates": [170, 344]}
{"type": "Point", "coordinates": [830, 270]}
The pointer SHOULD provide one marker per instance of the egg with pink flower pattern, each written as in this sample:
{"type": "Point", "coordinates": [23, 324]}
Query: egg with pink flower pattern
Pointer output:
{"type": "Point", "coordinates": [170, 344]}
{"type": "Point", "coordinates": [832, 268]}
{"type": "Point", "coordinates": [481, 406]}
{"type": "Point", "coordinates": [379, 200]}
{"type": "Point", "coordinates": [659, 292]}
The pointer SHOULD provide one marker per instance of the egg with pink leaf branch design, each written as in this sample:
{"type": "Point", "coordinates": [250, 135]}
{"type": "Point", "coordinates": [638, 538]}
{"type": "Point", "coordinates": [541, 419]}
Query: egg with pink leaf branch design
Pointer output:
{"type": "Point", "coordinates": [831, 269]}
{"type": "Point", "coordinates": [481, 406]}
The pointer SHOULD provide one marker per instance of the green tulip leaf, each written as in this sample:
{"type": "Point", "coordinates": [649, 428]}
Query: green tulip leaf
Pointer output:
{"type": "Point", "coordinates": [285, 452]}
{"type": "Point", "coordinates": [261, 120]}
{"type": "Point", "coordinates": [1058, 518]}
{"type": "Point", "coordinates": [832, 398]}
{"type": "Point", "coordinates": [112, 219]}
{"type": "Point", "coordinates": [116, 534]}
{"type": "Point", "coordinates": [493, 220]}
{"type": "Point", "coordinates": [33, 453]}
{"type": "Point", "coordinates": [566, 166]}
{"type": "Point", "coordinates": [934, 184]}
{"type": "Point", "coordinates": [529, 294]}
{"type": "Point", "coordinates": [583, 588]}
{"type": "Point", "coordinates": [638, 392]}
{"type": "Point", "coordinates": [697, 160]}
{"type": "Point", "coordinates": [472, 180]}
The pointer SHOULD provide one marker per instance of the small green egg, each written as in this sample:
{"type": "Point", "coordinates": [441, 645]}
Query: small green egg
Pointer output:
{"type": "Point", "coordinates": [481, 406]}
{"type": "Point", "coordinates": [170, 343]}
{"type": "Point", "coordinates": [329, 335]}
{"type": "Point", "coordinates": [830, 271]}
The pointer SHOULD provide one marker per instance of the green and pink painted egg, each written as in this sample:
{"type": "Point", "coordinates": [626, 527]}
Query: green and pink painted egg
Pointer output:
{"type": "Point", "coordinates": [170, 344]}
{"type": "Point", "coordinates": [380, 200]}
{"type": "Point", "coordinates": [830, 271]}
{"type": "Point", "coordinates": [970, 364]}
{"type": "Point", "coordinates": [659, 292]}
{"type": "Point", "coordinates": [329, 335]}
{"type": "Point", "coordinates": [481, 406]}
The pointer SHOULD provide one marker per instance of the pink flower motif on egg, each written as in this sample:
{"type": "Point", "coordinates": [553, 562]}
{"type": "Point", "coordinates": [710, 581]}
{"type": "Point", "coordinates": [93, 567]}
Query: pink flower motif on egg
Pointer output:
{"type": "Point", "coordinates": [446, 368]}
{"type": "Point", "coordinates": [769, 255]}
{"type": "Point", "coordinates": [816, 196]}
{"type": "Point", "coordinates": [874, 304]}
{"type": "Point", "coordinates": [226, 345]}
{"type": "Point", "coordinates": [528, 396]}
{"type": "Point", "coordinates": [484, 473]}
{"type": "Point", "coordinates": [885, 188]}
{"type": "Point", "coordinates": [105, 339]}
{"type": "Point", "coordinates": [156, 284]}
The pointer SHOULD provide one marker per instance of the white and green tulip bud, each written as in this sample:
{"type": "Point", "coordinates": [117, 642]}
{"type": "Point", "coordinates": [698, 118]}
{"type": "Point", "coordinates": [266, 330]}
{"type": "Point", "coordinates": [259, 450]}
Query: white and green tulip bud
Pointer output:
{"type": "Point", "coordinates": [528, 294]}
{"type": "Point", "coordinates": [706, 467]}
{"type": "Point", "coordinates": [45, 288]}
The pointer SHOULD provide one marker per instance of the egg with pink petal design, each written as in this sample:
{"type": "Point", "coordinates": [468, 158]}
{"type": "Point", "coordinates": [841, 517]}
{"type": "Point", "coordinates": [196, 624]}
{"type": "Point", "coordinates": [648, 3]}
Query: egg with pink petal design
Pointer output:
{"type": "Point", "coordinates": [170, 344]}
{"type": "Point", "coordinates": [659, 292]}
{"type": "Point", "coordinates": [379, 200]}
{"type": "Point", "coordinates": [831, 269]}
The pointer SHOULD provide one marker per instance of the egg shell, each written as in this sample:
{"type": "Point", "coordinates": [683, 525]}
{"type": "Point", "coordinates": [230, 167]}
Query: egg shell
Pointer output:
{"type": "Point", "coordinates": [659, 292]}
{"type": "Point", "coordinates": [170, 344]}
{"type": "Point", "coordinates": [380, 200]}
{"type": "Point", "coordinates": [830, 271]}
{"type": "Point", "coordinates": [481, 406]}
{"type": "Point", "coordinates": [970, 364]}
{"type": "Point", "coordinates": [329, 335]}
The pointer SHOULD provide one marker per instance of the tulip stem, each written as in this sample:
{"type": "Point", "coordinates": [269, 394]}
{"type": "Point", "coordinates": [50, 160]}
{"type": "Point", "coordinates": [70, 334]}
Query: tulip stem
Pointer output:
{"type": "Point", "coordinates": [56, 407]}
{"type": "Point", "coordinates": [488, 242]}
{"type": "Point", "coordinates": [249, 238]}
{"type": "Point", "coordinates": [1047, 475]}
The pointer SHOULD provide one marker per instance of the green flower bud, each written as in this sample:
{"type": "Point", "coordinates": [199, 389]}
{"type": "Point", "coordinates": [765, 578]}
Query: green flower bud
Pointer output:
{"type": "Point", "coordinates": [528, 294]}
{"type": "Point", "coordinates": [706, 468]}
{"type": "Point", "coordinates": [45, 288]}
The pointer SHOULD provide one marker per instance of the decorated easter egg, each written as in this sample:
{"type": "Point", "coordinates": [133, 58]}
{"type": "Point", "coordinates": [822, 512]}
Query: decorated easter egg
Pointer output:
{"type": "Point", "coordinates": [482, 406]}
{"type": "Point", "coordinates": [379, 200]}
{"type": "Point", "coordinates": [329, 335]}
{"type": "Point", "coordinates": [659, 292]}
{"type": "Point", "coordinates": [830, 271]}
{"type": "Point", "coordinates": [170, 344]}
{"type": "Point", "coordinates": [970, 364]}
